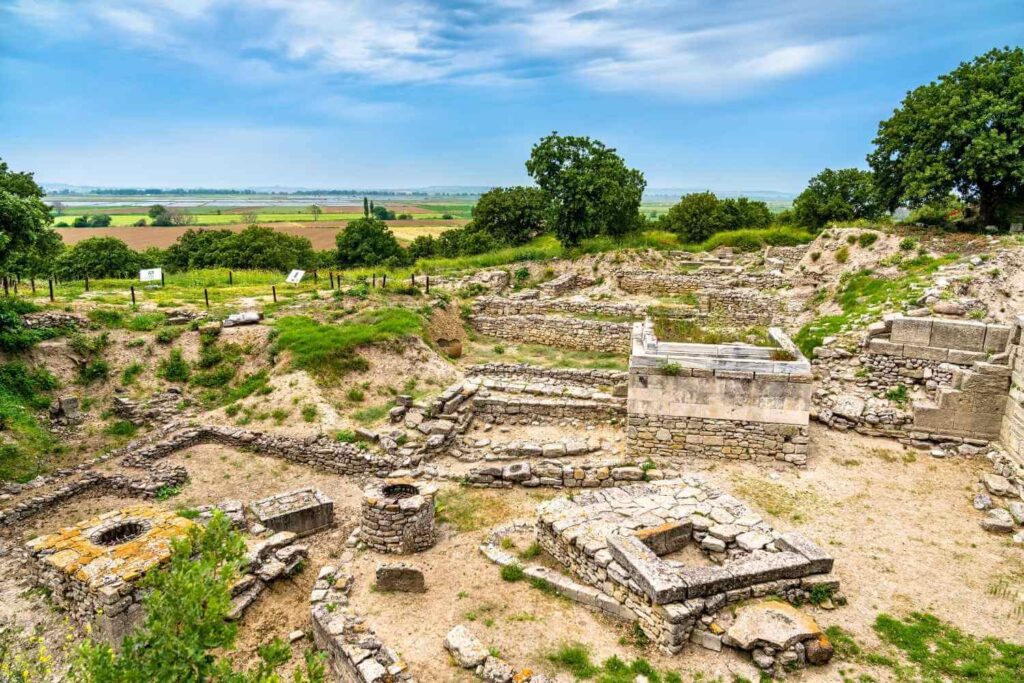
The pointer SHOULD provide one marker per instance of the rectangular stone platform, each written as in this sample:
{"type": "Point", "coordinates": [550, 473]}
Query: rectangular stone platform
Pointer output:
{"type": "Point", "coordinates": [302, 512]}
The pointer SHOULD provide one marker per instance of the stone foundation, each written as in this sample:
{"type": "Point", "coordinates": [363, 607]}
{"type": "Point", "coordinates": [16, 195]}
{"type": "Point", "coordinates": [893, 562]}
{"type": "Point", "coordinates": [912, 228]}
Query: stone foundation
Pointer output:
{"type": "Point", "coordinates": [655, 437]}
{"type": "Point", "coordinates": [92, 569]}
{"type": "Point", "coordinates": [724, 401]}
{"type": "Point", "coordinates": [614, 540]}
{"type": "Point", "coordinates": [717, 278]}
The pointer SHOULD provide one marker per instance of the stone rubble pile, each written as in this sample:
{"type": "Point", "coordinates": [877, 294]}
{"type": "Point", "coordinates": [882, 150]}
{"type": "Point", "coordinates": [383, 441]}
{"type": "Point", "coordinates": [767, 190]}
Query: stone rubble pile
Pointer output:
{"type": "Point", "coordinates": [469, 653]}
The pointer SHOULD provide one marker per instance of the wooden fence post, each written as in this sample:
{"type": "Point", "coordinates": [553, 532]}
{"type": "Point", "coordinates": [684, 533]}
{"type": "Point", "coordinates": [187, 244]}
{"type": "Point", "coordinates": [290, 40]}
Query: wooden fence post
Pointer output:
{"type": "Point", "coordinates": [33, 282]}
{"type": "Point", "coordinates": [331, 274]}
{"type": "Point", "coordinates": [231, 279]}
{"type": "Point", "coordinates": [87, 283]}
{"type": "Point", "coordinates": [206, 295]}
{"type": "Point", "coordinates": [51, 289]}
{"type": "Point", "coordinates": [273, 290]}
{"type": "Point", "coordinates": [133, 296]}
{"type": "Point", "coordinates": [428, 284]}
{"type": "Point", "coordinates": [384, 280]}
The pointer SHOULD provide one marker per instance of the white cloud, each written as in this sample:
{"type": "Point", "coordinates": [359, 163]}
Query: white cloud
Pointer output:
{"type": "Point", "coordinates": [689, 48]}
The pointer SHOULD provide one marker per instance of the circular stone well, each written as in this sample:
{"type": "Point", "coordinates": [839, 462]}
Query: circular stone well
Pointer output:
{"type": "Point", "coordinates": [398, 516]}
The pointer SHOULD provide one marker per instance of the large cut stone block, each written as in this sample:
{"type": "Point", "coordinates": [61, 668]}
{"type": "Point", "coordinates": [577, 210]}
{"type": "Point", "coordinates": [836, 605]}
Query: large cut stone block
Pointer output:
{"type": "Point", "coordinates": [659, 582]}
{"type": "Point", "coordinates": [958, 334]}
{"type": "Point", "coordinates": [303, 511]}
{"type": "Point", "coordinates": [996, 338]}
{"type": "Point", "coordinates": [917, 331]}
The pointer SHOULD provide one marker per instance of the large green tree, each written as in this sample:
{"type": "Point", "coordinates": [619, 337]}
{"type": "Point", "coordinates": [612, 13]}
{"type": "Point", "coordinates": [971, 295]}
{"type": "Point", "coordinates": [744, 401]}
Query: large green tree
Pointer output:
{"type": "Point", "coordinates": [24, 218]}
{"type": "Point", "coordinates": [261, 247]}
{"type": "Point", "coordinates": [100, 257]}
{"type": "Point", "coordinates": [695, 217]}
{"type": "Point", "coordinates": [589, 187]}
{"type": "Point", "coordinates": [368, 242]}
{"type": "Point", "coordinates": [843, 195]}
{"type": "Point", "coordinates": [513, 215]}
{"type": "Point", "coordinates": [962, 133]}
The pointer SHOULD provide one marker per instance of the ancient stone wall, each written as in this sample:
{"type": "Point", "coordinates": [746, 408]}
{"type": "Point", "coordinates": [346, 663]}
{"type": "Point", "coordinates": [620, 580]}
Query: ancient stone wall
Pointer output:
{"type": "Point", "coordinates": [502, 306]}
{"type": "Point", "coordinates": [655, 282]}
{"type": "Point", "coordinates": [973, 406]}
{"type": "Point", "coordinates": [722, 401]}
{"type": "Point", "coordinates": [915, 350]}
{"type": "Point", "coordinates": [789, 256]}
{"type": "Point", "coordinates": [530, 373]}
{"type": "Point", "coordinates": [502, 409]}
{"type": "Point", "coordinates": [564, 332]}
{"type": "Point", "coordinates": [1012, 428]}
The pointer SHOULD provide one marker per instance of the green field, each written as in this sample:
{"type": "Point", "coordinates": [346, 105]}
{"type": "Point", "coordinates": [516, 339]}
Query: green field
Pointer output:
{"type": "Point", "coordinates": [122, 219]}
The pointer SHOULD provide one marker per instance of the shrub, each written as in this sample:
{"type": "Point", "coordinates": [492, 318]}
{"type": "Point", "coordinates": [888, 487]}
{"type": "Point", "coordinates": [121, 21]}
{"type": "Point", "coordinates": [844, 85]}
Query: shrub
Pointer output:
{"type": "Point", "coordinates": [356, 395]}
{"type": "Point", "coordinates": [842, 255]}
{"type": "Point", "coordinates": [815, 255]}
{"type": "Point", "coordinates": [345, 436]}
{"type": "Point", "coordinates": [866, 239]}
{"type": "Point", "coordinates": [754, 240]}
{"type": "Point", "coordinates": [908, 244]}
{"type": "Point", "coordinates": [121, 428]}
{"type": "Point", "coordinates": [167, 335]}
{"type": "Point", "coordinates": [368, 242]}
{"type": "Point", "coordinates": [309, 412]}
{"type": "Point", "coordinates": [174, 368]}
{"type": "Point", "coordinates": [512, 572]}
{"type": "Point", "coordinates": [211, 379]}
{"type": "Point", "coordinates": [95, 370]}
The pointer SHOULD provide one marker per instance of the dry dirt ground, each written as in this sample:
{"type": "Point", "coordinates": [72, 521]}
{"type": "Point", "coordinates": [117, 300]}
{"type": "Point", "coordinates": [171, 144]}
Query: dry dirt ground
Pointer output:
{"type": "Point", "coordinates": [899, 523]}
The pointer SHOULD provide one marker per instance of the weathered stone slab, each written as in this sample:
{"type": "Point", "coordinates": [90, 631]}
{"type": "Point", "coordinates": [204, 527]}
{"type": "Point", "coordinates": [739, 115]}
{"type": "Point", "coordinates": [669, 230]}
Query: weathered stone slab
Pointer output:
{"type": "Point", "coordinates": [400, 578]}
{"type": "Point", "coordinates": [770, 623]}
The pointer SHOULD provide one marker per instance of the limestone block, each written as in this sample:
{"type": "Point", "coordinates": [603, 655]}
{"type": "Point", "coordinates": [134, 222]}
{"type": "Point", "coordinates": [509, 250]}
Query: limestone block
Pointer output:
{"type": "Point", "coordinates": [996, 338]}
{"type": "Point", "coordinates": [925, 352]}
{"type": "Point", "coordinates": [958, 334]}
{"type": "Point", "coordinates": [400, 577]}
{"type": "Point", "coordinates": [917, 331]}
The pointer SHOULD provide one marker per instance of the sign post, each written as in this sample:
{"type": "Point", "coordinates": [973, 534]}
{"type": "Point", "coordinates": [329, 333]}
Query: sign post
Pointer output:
{"type": "Point", "coordinates": [295, 277]}
{"type": "Point", "coordinates": [151, 275]}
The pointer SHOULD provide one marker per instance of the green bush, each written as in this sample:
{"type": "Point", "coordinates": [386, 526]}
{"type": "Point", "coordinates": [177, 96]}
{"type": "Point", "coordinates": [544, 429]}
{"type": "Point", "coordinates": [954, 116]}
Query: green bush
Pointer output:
{"type": "Point", "coordinates": [512, 572]}
{"type": "Point", "coordinates": [755, 240]}
{"type": "Point", "coordinates": [842, 255]}
{"type": "Point", "coordinates": [169, 334]}
{"type": "Point", "coordinates": [174, 368]}
{"type": "Point", "coordinates": [14, 336]}
{"type": "Point", "coordinates": [908, 244]}
{"type": "Point", "coordinates": [121, 428]}
{"type": "Point", "coordinates": [95, 370]}
{"type": "Point", "coordinates": [131, 372]}
{"type": "Point", "coordinates": [217, 377]}
{"type": "Point", "coordinates": [866, 239]}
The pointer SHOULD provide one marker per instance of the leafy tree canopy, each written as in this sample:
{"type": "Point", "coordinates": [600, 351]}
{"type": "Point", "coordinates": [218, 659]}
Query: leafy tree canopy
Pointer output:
{"type": "Point", "coordinates": [699, 215]}
{"type": "Point", "coordinates": [589, 187]}
{"type": "Point", "coordinates": [512, 215]}
{"type": "Point", "coordinates": [843, 195]}
{"type": "Point", "coordinates": [98, 257]}
{"type": "Point", "coordinates": [196, 249]}
{"type": "Point", "coordinates": [24, 218]}
{"type": "Point", "coordinates": [266, 248]}
{"type": "Point", "coordinates": [368, 242]}
{"type": "Point", "coordinates": [963, 133]}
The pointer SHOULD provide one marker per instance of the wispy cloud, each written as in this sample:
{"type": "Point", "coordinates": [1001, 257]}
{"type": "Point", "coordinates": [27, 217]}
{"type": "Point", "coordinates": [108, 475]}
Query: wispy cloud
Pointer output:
{"type": "Point", "coordinates": [688, 48]}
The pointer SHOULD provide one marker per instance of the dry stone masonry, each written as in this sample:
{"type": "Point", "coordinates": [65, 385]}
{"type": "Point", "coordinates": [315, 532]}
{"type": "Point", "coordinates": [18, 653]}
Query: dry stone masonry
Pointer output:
{"type": "Point", "coordinates": [563, 332]}
{"type": "Point", "coordinates": [92, 569]}
{"type": "Point", "coordinates": [398, 516]}
{"type": "Point", "coordinates": [717, 401]}
{"type": "Point", "coordinates": [625, 541]}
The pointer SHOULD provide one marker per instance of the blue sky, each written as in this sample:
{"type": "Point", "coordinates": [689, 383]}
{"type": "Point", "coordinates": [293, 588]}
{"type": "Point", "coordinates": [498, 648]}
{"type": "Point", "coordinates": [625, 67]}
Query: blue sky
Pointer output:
{"type": "Point", "coordinates": [722, 94]}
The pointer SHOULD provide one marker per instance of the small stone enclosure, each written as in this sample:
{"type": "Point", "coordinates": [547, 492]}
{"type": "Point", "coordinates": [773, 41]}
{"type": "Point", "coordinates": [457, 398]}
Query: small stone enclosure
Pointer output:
{"type": "Point", "coordinates": [717, 400]}
{"type": "Point", "coordinates": [92, 569]}
{"type": "Point", "coordinates": [302, 512]}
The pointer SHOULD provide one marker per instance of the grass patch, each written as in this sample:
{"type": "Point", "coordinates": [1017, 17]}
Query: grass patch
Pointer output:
{"type": "Point", "coordinates": [468, 509]}
{"type": "Point", "coordinates": [754, 240]}
{"type": "Point", "coordinates": [690, 332]}
{"type": "Point", "coordinates": [23, 391]}
{"type": "Point", "coordinates": [575, 658]}
{"type": "Point", "coordinates": [942, 652]}
{"type": "Point", "coordinates": [330, 350]}
{"type": "Point", "coordinates": [373, 413]}
{"type": "Point", "coordinates": [775, 498]}
{"type": "Point", "coordinates": [864, 294]}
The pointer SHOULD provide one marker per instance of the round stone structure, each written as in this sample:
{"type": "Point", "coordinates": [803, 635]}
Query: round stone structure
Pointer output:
{"type": "Point", "coordinates": [398, 516]}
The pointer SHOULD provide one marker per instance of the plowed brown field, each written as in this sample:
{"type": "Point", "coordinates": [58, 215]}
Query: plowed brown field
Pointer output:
{"type": "Point", "coordinates": [322, 236]}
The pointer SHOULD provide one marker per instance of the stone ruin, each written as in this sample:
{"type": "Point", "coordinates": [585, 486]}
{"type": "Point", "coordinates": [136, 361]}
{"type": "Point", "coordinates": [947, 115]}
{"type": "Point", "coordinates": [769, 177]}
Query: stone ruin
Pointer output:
{"type": "Point", "coordinates": [398, 516]}
{"type": "Point", "coordinates": [93, 569]}
{"type": "Point", "coordinates": [675, 553]}
{"type": "Point", "coordinates": [717, 401]}
{"type": "Point", "coordinates": [302, 512]}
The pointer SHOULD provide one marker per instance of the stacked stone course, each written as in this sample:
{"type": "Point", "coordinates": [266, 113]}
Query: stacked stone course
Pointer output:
{"type": "Point", "coordinates": [564, 332]}
{"type": "Point", "coordinates": [656, 282]}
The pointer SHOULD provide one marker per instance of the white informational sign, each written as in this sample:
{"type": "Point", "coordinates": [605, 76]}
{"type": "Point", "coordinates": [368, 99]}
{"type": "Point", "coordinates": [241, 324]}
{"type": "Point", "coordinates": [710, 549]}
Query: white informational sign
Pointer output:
{"type": "Point", "coordinates": [295, 277]}
{"type": "Point", "coordinates": [150, 275]}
